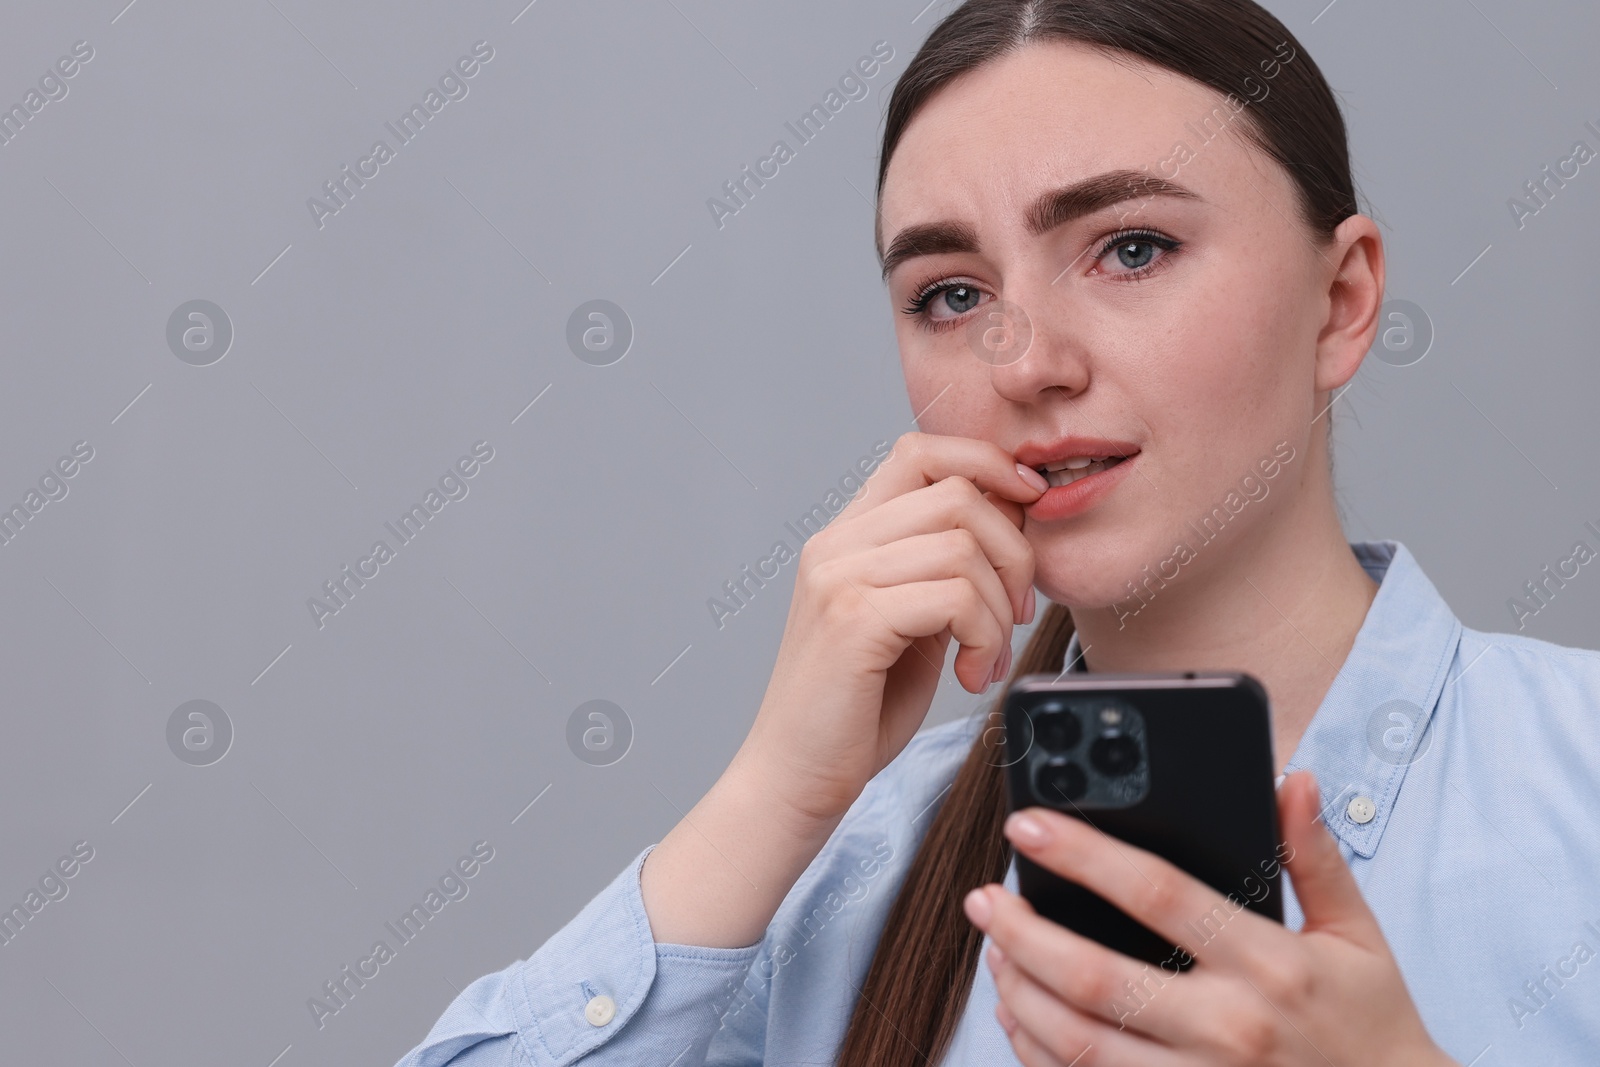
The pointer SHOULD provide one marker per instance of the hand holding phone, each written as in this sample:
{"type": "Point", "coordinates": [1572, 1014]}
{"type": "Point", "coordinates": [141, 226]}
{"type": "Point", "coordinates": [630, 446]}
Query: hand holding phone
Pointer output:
{"type": "Point", "coordinates": [1176, 763]}
{"type": "Point", "coordinates": [1260, 992]}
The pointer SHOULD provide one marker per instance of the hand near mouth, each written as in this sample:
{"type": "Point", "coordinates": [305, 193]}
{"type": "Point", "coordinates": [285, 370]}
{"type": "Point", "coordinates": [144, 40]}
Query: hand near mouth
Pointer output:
{"type": "Point", "coordinates": [931, 549]}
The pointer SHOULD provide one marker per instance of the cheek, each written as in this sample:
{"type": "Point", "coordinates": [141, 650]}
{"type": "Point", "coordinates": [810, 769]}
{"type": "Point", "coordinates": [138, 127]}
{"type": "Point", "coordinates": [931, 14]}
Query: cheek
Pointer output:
{"type": "Point", "coordinates": [947, 388]}
{"type": "Point", "coordinates": [1224, 344]}
{"type": "Point", "coordinates": [1215, 377]}
{"type": "Point", "coordinates": [1230, 373]}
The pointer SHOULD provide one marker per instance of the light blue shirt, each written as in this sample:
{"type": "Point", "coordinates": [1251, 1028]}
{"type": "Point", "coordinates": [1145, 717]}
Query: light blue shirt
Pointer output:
{"type": "Point", "coordinates": [1460, 773]}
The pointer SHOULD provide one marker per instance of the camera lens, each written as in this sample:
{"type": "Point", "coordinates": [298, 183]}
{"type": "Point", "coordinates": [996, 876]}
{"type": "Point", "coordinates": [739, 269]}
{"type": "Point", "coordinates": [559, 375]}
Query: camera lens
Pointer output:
{"type": "Point", "coordinates": [1055, 728]}
{"type": "Point", "coordinates": [1114, 754]}
{"type": "Point", "coordinates": [1059, 780]}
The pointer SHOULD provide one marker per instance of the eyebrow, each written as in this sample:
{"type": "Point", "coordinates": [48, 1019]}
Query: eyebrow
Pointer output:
{"type": "Point", "coordinates": [1054, 208]}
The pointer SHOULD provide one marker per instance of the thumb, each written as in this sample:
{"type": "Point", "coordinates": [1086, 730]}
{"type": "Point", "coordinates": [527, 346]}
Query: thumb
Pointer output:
{"type": "Point", "coordinates": [1323, 884]}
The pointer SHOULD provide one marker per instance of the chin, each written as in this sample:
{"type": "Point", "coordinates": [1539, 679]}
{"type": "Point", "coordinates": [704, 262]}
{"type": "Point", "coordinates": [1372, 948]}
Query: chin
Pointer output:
{"type": "Point", "coordinates": [1091, 571]}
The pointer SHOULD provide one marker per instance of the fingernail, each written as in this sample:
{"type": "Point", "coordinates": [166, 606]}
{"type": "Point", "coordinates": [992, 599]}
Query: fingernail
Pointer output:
{"type": "Point", "coordinates": [1024, 829]}
{"type": "Point", "coordinates": [1005, 665]}
{"type": "Point", "coordinates": [1032, 477]}
{"type": "Point", "coordinates": [1008, 1022]}
{"type": "Point", "coordinates": [1028, 606]}
{"type": "Point", "coordinates": [997, 957]}
{"type": "Point", "coordinates": [978, 908]}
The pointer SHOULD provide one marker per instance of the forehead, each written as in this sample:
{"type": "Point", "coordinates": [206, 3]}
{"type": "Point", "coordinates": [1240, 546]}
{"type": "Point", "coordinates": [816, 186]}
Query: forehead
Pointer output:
{"type": "Point", "coordinates": [1050, 113]}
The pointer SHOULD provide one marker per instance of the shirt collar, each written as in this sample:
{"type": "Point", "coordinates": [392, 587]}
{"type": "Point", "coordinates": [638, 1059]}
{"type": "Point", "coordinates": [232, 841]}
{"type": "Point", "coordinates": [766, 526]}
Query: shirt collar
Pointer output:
{"type": "Point", "coordinates": [1369, 727]}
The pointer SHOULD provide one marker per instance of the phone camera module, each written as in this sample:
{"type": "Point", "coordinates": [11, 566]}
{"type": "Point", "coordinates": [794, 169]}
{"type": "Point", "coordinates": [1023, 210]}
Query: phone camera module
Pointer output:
{"type": "Point", "coordinates": [1056, 729]}
{"type": "Point", "coordinates": [1114, 754]}
{"type": "Point", "coordinates": [1060, 779]}
{"type": "Point", "coordinates": [1080, 750]}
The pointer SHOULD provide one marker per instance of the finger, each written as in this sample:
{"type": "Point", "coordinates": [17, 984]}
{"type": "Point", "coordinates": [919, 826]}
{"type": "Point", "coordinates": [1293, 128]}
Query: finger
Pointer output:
{"type": "Point", "coordinates": [1323, 884]}
{"type": "Point", "coordinates": [1129, 994]}
{"type": "Point", "coordinates": [951, 504]}
{"type": "Point", "coordinates": [921, 459]}
{"type": "Point", "coordinates": [1032, 1054]}
{"type": "Point", "coordinates": [1012, 510]}
{"type": "Point", "coordinates": [933, 556]}
{"type": "Point", "coordinates": [1216, 929]}
{"type": "Point", "coordinates": [922, 609]}
{"type": "Point", "coordinates": [1065, 1034]}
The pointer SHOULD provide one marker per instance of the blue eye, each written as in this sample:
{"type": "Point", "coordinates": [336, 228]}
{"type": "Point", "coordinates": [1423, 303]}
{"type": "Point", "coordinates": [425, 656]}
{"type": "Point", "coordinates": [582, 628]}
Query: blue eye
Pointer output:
{"type": "Point", "coordinates": [956, 297]}
{"type": "Point", "coordinates": [960, 298]}
{"type": "Point", "coordinates": [1129, 250]}
{"type": "Point", "coordinates": [1136, 251]}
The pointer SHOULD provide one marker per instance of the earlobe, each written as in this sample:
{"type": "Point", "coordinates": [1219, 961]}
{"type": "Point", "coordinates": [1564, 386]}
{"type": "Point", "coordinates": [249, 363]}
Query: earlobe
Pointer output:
{"type": "Point", "coordinates": [1355, 299]}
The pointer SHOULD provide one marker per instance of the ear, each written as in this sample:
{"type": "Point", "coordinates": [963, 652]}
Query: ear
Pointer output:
{"type": "Point", "coordinates": [1354, 274]}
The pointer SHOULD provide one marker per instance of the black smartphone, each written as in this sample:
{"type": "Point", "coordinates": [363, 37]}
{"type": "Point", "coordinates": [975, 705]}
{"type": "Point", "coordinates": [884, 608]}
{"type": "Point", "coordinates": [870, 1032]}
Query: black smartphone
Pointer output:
{"type": "Point", "coordinates": [1176, 763]}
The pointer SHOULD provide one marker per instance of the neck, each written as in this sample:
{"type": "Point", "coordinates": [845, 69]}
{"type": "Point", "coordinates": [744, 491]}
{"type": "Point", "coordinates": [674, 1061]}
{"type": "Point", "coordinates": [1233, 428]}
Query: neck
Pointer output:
{"type": "Point", "coordinates": [1281, 600]}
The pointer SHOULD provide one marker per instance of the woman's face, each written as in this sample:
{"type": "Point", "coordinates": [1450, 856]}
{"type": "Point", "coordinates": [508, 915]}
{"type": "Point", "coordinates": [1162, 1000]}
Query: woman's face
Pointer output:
{"type": "Point", "coordinates": [1181, 330]}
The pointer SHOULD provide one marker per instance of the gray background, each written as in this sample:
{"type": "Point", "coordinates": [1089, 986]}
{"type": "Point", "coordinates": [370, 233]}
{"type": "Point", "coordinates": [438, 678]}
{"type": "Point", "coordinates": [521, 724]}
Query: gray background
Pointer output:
{"type": "Point", "coordinates": [371, 353]}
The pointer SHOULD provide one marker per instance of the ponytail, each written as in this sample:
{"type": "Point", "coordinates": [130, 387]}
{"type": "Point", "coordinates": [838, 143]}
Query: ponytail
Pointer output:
{"type": "Point", "coordinates": [922, 970]}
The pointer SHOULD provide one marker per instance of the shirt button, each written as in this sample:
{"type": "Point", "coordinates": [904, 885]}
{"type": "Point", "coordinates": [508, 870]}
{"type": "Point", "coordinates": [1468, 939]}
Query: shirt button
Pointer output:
{"type": "Point", "coordinates": [1361, 809]}
{"type": "Point", "coordinates": [600, 1010]}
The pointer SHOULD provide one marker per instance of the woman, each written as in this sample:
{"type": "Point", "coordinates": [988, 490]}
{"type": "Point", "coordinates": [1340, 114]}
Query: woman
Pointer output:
{"type": "Point", "coordinates": [1156, 197]}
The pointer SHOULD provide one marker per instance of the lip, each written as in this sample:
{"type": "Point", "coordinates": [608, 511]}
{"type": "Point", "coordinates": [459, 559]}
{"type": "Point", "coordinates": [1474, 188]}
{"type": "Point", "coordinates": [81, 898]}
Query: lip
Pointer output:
{"type": "Point", "coordinates": [1065, 501]}
{"type": "Point", "coordinates": [1037, 454]}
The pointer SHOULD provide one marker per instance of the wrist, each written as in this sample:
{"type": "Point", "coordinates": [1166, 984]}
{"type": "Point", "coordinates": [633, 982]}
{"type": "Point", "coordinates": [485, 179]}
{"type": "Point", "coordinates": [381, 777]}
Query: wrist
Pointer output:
{"type": "Point", "coordinates": [719, 876]}
{"type": "Point", "coordinates": [799, 813]}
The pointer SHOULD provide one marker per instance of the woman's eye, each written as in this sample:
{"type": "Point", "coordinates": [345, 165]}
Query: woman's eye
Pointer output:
{"type": "Point", "coordinates": [1134, 255]}
{"type": "Point", "coordinates": [937, 305]}
{"type": "Point", "coordinates": [956, 299]}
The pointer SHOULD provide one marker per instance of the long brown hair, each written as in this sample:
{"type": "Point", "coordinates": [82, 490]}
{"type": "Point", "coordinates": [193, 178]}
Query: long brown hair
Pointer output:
{"type": "Point", "coordinates": [922, 968]}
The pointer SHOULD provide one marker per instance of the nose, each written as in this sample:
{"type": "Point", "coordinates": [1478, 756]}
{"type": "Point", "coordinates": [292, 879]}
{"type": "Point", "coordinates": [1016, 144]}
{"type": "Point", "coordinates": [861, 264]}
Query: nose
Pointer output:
{"type": "Point", "coordinates": [1032, 345]}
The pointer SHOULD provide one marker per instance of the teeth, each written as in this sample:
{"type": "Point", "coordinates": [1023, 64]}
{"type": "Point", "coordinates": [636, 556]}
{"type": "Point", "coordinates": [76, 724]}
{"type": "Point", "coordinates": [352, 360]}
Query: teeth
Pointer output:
{"type": "Point", "coordinates": [1071, 470]}
{"type": "Point", "coordinates": [1073, 463]}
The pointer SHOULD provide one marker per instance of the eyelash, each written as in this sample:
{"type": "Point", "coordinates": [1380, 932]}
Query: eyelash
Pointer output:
{"type": "Point", "coordinates": [932, 287]}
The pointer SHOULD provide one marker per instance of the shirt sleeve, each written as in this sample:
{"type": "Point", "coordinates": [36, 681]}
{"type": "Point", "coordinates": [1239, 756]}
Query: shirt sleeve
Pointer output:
{"type": "Point", "coordinates": [602, 991]}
